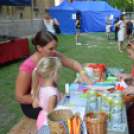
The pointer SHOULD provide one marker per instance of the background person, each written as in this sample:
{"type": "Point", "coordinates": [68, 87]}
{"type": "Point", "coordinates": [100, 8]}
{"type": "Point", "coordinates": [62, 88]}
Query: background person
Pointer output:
{"type": "Point", "coordinates": [129, 26]}
{"type": "Point", "coordinates": [108, 30]}
{"type": "Point", "coordinates": [78, 29]}
{"type": "Point", "coordinates": [49, 23]}
{"type": "Point", "coordinates": [107, 19]}
{"type": "Point", "coordinates": [121, 33]}
{"type": "Point", "coordinates": [46, 46]}
{"type": "Point", "coordinates": [116, 28]}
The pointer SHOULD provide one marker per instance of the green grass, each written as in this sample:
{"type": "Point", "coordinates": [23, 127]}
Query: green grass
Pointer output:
{"type": "Point", "coordinates": [10, 111]}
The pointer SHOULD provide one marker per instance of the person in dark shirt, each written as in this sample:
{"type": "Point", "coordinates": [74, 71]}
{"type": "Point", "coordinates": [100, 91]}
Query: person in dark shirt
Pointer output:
{"type": "Point", "coordinates": [78, 29]}
{"type": "Point", "coordinates": [116, 28]}
{"type": "Point", "coordinates": [129, 25]}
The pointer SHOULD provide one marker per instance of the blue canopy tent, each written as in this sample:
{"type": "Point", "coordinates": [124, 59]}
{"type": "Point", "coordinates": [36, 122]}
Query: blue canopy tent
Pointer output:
{"type": "Point", "coordinates": [93, 14]}
{"type": "Point", "coordinates": [18, 3]}
{"type": "Point", "coordinates": [66, 16]}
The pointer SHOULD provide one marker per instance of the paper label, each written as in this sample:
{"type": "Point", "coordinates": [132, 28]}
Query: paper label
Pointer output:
{"type": "Point", "coordinates": [74, 16]}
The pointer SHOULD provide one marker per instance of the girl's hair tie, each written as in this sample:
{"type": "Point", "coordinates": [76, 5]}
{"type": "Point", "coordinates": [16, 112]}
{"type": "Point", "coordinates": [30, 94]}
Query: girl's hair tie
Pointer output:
{"type": "Point", "coordinates": [35, 68]}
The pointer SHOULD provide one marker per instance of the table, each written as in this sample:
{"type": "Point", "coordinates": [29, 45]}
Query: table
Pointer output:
{"type": "Point", "coordinates": [14, 50]}
{"type": "Point", "coordinates": [45, 129]}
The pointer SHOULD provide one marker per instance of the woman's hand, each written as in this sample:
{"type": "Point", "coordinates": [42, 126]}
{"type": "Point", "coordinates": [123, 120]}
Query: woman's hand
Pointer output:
{"type": "Point", "coordinates": [119, 28]}
{"type": "Point", "coordinates": [121, 76]}
{"type": "Point", "coordinates": [128, 90]}
{"type": "Point", "coordinates": [129, 80]}
{"type": "Point", "coordinates": [86, 78]}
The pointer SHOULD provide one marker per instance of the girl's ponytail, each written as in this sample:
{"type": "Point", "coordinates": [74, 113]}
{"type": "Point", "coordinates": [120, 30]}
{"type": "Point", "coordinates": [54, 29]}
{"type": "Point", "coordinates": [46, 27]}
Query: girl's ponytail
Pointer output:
{"type": "Point", "coordinates": [35, 84]}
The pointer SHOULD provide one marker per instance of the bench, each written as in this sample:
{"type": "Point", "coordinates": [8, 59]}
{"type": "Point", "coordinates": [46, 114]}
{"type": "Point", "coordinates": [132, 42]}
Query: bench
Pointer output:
{"type": "Point", "coordinates": [25, 125]}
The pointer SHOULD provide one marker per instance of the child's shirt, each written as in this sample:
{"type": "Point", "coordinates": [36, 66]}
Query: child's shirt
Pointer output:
{"type": "Point", "coordinates": [45, 94]}
{"type": "Point", "coordinates": [132, 73]}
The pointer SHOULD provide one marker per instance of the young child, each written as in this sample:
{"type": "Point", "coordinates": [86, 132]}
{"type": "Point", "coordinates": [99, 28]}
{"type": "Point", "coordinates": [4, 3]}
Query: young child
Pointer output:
{"type": "Point", "coordinates": [129, 78]}
{"type": "Point", "coordinates": [46, 95]}
{"type": "Point", "coordinates": [108, 28]}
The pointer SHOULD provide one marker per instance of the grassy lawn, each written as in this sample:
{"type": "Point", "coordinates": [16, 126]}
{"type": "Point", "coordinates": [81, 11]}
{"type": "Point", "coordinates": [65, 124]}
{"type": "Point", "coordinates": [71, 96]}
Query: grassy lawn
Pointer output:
{"type": "Point", "coordinates": [99, 50]}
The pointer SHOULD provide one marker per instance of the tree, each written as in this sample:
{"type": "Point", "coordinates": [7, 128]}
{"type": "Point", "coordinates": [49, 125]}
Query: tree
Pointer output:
{"type": "Point", "coordinates": [121, 4]}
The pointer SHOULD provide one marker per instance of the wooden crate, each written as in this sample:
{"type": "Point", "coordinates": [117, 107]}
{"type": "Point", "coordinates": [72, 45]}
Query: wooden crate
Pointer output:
{"type": "Point", "coordinates": [25, 125]}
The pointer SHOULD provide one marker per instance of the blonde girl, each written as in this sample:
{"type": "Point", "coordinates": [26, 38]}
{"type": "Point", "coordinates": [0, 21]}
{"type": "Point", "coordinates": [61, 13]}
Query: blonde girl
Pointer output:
{"type": "Point", "coordinates": [46, 95]}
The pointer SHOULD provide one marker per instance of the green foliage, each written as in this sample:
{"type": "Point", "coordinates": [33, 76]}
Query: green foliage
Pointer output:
{"type": "Point", "coordinates": [121, 4]}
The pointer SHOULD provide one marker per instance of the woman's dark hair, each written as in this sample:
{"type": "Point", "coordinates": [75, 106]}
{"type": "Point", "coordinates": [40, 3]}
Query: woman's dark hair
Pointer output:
{"type": "Point", "coordinates": [42, 38]}
{"type": "Point", "coordinates": [78, 17]}
{"type": "Point", "coordinates": [117, 18]}
{"type": "Point", "coordinates": [121, 18]}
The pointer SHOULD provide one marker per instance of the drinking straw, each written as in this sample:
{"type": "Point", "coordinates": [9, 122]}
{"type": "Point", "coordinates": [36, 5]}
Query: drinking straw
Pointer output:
{"type": "Point", "coordinates": [95, 115]}
{"type": "Point", "coordinates": [64, 126]}
{"type": "Point", "coordinates": [69, 125]}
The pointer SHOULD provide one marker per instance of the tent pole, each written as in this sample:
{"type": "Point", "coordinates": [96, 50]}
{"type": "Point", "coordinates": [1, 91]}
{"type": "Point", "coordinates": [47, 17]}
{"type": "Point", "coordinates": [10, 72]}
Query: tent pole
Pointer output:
{"type": "Point", "coordinates": [32, 19]}
{"type": "Point", "coordinates": [32, 16]}
{"type": "Point", "coordinates": [12, 21]}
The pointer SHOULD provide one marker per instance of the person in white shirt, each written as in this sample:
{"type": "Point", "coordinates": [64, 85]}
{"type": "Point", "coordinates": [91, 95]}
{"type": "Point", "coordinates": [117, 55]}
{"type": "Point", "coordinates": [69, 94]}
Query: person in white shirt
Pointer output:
{"type": "Point", "coordinates": [49, 23]}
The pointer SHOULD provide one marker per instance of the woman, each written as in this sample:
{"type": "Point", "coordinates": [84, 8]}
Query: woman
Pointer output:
{"type": "Point", "coordinates": [121, 33]}
{"type": "Point", "coordinates": [78, 29]}
{"type": "Point", "coordinates": [46, 46]}
{"type": "Point", "coordinates": [49, 23]}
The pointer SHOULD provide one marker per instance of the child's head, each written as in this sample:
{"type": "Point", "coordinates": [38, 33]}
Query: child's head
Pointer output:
{"type": "Point", "coordinates": [47, 68]}
{"type": "Point", "coordinates": [130, 49]}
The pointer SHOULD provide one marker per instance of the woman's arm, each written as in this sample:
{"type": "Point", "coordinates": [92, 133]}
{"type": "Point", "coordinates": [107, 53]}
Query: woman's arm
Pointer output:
{"type": "Point", "coordinates": [122, 76]}
{"type": "Point", "coordinates": [52, 103]}
{"type": "Point", "coordinates": [74, 65]}
{"type": "Point", "coordinates": [76, 22]}
{"type": "Point", "coordinates": [118, 25]}
{"type": "Point", "coordinates": [35, 103]}
{"type": "Point", "coordinates": [69, 63]}
{"type": "Point", "coordinates": [22, 87]}
{"type": "Point", "coordinates": [129, 90]}
{"type": "Point", "coordinates": [56, 22]}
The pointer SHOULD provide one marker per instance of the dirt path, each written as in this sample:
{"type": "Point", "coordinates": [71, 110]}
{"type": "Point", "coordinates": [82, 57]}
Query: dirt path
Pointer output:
{"type": "Point", "coordinates": [91, 36]}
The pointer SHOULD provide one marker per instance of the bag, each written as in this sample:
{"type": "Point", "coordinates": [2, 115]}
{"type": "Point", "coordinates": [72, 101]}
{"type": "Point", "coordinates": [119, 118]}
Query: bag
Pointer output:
{"type": "Point", "coordinates": [57, 29]}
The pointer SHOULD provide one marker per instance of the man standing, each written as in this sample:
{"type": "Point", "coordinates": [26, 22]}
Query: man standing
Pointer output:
{"type": "Point", "coordinates": [116, 28]}
{"type": "Point", "coordinates": [107, 19]}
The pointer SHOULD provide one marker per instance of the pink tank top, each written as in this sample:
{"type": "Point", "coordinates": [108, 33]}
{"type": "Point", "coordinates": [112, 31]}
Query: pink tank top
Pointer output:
{"type": "Point", "coordinates": [28, 67]}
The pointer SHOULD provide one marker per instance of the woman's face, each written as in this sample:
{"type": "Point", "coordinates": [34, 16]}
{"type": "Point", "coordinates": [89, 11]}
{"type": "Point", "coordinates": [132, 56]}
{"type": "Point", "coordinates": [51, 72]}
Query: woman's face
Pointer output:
{"type": "Point", "coordinates": [49, 50]}
{"type": "Point", "coordinates": [124, 17]}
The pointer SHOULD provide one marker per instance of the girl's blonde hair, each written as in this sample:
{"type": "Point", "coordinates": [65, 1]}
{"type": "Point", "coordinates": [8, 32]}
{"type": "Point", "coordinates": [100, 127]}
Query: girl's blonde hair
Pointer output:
{"type": "Point", "coordinates": [44, 67]}
{"type": "Point", "coordinates": [131, 45]}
